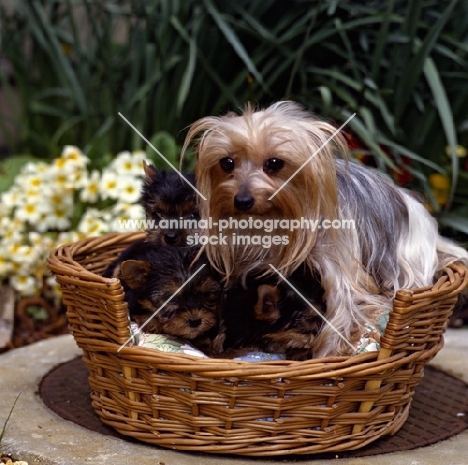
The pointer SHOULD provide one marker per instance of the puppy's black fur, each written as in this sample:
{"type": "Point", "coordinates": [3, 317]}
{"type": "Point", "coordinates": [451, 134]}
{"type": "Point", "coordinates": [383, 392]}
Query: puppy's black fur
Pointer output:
{"type": "Point", "coordinates": [269, 316]}
{"type": "Point", "coordinates": [166, 196]}
{"type": "Point", "coordinates": [152, 275]}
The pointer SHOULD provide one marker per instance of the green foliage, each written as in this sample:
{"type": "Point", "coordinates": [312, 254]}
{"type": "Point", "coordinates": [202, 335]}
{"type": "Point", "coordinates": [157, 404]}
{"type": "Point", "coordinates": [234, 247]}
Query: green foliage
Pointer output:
{"type": "Point", "coordinates": [9, 168]}
{"type": "Point", "coordinates": [401, 66]}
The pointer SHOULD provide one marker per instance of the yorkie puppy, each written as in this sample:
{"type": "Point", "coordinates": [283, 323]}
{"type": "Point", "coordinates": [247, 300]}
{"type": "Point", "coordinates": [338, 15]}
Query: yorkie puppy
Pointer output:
{"type": "Point", "coordinates": [286, 322]}
{"type": "Point", "coordinates": [167, 197]}
{"type": "Point", "coordinates": [275, 318]}
{"type": "Point", "coordinates": [278, 163]}
{"type": "Point", "coordinates": [153, 275]}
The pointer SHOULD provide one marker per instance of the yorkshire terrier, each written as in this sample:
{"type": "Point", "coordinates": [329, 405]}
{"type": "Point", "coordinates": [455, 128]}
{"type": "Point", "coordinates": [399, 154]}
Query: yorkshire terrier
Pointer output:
{"type": "Point", "coordinates": [270, 164]}
{"type": "Point", "coordinates": [275, 318]}
{"type": "Point", "coordinates": [153, 275]}
{"type": "Point", "coordinates": [167, 196]}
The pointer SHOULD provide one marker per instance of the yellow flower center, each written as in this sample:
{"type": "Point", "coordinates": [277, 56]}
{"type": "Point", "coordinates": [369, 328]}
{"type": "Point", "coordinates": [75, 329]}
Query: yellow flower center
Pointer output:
{"type": "Point", "coordinates": [60, 162]}
{"type": "Point", "coordinates": [93, 188]}
{"type": "Point", "coordinates": [30, 208]}
{"type": "Point", "coordinates": [62, 179]}
{"type": "Point", "coordinates": [73, 155]}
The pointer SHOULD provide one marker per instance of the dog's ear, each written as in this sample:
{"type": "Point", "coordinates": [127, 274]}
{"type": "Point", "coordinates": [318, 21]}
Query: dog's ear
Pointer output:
{"type": "Point", "coordinates": [266, 307]}
{"type": "Point", "coordinates": [151, 172]}
{"type": "Point", "coordinates": [134, 273]}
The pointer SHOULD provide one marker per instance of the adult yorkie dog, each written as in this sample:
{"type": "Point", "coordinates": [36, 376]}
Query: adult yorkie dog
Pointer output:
{"type": "Point", "coordinates": [154, 274]}
{"type": "Point", "coordinates": [247, 169]}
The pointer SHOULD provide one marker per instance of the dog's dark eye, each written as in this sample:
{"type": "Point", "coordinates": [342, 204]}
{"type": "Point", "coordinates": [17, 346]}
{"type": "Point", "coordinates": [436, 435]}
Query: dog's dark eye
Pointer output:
{"type": "Point", "coordinates": [227, 164]}
{"type": "Point", "coordinates": [159, 214]}
{"type": "Point", "coordinates": [273, 165]}
{"type": "Point", "coordinates": [167, 312]}
{"type": "Point", "coordinates": [191, 216]}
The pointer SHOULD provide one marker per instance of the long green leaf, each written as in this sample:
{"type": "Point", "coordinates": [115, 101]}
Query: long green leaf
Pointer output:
{"type": "Point", "coordinates": [382, 42]}
{"type": "Point", "coordinates": [41, 24]}
{"type": "Point", "coordinates": [187, 77]}
{"type": "Point", "coordinates": [232, 38]}
{"type": "Point", "coordinates": [446, 117]}
{"type": "Point", "coordinates": [415, 67]}
{"type": "Point", "coordinates": [454, 222]}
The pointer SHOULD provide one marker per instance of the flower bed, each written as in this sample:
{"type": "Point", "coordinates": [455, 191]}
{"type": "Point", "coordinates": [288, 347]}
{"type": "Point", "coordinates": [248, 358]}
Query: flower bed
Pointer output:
{"type": "Point", "coordinates": [50, 204]}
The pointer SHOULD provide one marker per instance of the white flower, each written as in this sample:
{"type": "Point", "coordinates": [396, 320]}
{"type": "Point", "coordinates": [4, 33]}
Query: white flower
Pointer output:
{"type": "Point", "coordinates": [12, 236]}
{"type": "Point", "coordinates": [33, 195]}
{"type": "Point", "coordinates": [5, 263]}
{"type": "Point", "coordinates": [120, 207]}
{"type": "Point", "coordinates": [12, 197]}
{"type": "Point", "coordinates": [127, 163]}
{"type": "Point", "coordinates": [69, 237]}
{"type": "Point", "coordinates": [74, 156]}
{"type": "Point", "coordinates": [132, 219]}
{"type": "Point", "coordinates": [129, 189]}
{"type": "Point", "coordinates": [36, 212]}
{"type": "Point", "coordinates": [29, 211]}
{"type": "Point", "coordinates": [42, 224]}
{"type": "Point", "coordinates": [91, 223]}
{"type": "Point", "coordinates": [70, 169]}
{"type": "Point", "coordinates": [29, 255]}
{"type": "Point", "coordinates": [35, 168]}
{"type": "Point", "coordinates": [25, 254]}
{"type": "Point", "coordinates": [91, 188]}
{"type": "Point", "coordinates": [80, 177]}
{"type": "Point", "coordinates": [40, 241]}
{"type": "Point", "coordinates": [24, 284]}
{"type": "Point", "coordinates": [5, 210]}
{"type": "Point", "coordinates": [10, 228]}
{"type": "Point", "coordinates": [109, 185]}
{"type": "Point", "coordinates": [139, 156]}
{"type": "Point", "coordinates": [33, 181]}
{"type": "Point", "coordinates": [59, 198]}
{"type": "Point", "coordinates": [137, 212]}
{"type": "Point", "coordinates": [63, 178]}
{"type": "Point", "coordinates": [57, 219]}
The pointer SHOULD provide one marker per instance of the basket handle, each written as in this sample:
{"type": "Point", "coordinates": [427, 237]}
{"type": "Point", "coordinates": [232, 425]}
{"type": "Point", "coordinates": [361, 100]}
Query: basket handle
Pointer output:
{"type": "Point", "coordinates": [443, 294]}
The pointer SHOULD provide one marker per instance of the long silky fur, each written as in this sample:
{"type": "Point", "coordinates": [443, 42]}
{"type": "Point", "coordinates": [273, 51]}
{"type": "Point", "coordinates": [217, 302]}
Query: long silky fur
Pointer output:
{"type": "Point", "coordinates": [395, 243]}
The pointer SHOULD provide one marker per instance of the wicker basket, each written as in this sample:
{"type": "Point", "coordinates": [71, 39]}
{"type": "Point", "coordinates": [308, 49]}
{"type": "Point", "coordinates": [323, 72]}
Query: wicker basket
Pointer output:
{"type": "Point", "coordinates": [257, 409]}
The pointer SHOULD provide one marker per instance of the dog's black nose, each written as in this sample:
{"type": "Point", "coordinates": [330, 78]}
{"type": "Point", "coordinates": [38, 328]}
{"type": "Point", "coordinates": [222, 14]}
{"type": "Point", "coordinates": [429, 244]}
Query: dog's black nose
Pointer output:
{"type": "Point", "coordinates": [171, 238]}
{"type": "Point", "coordinates": [194, 322]}
{"type": "Point", "coordinates": [244, 202]}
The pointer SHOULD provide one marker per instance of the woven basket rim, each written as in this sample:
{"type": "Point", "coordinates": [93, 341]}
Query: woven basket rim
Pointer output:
{"type": "Point", "coordinates": [59, 260]}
